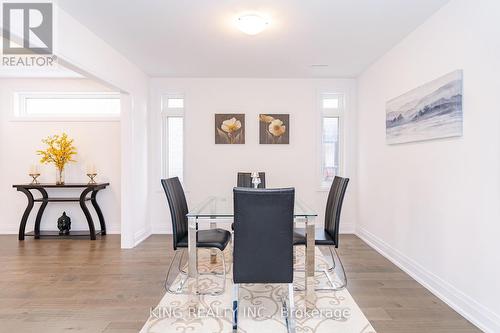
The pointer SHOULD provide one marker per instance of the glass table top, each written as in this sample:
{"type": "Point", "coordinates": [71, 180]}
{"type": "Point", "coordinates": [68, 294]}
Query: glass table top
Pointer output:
{"type": "Point", "coordinates": [222, 207]}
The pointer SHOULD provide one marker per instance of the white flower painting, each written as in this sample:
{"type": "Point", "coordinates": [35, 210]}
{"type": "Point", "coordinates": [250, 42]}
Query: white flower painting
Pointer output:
{"type": "Point", "coordinates": [230, 128]}
{"type": "Point", "coordinates": [431, 111]}
{"type": "Point", "coordinates": [274, 128]}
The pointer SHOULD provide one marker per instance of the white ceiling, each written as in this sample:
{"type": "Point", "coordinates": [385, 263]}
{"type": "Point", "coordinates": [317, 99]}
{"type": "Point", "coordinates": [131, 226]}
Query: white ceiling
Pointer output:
{"type": "Point", "coordinates": [188, 38]}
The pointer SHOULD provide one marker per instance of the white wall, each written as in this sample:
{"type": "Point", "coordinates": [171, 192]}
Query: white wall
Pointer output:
{"type": "Point", "coordinates": [96, 142]}
{"type": "Point", "coordinates": [211, 169]}
{"type": "Point", "coordinates": [83, 50]}
{"type": "Point", "coordinates": [433, 207]}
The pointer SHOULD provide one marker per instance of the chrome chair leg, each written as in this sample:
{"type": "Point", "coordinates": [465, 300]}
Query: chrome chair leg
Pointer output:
{"type": "Point", "coordinates": [168, 285]}
{"type": "Point", "coordinates": [183, 272]}
{"type": "Point", "coordinates": [330, 269]}
{"type": "Point", "coordinates": [225, 267]}
{"type": "Point", "coordinates": [224, 271]}
{"type": "Point", "coordinates": [338, 268]}
{"type": "Point", "coordinates": [222, 275]}
{"type": "Point", "coordinates": [165, 284]}
{"type": "Point", "coordinates": [236, 289]}
{"type": "Point", "coordinates": [290, 307]}
{"type": "Point", "coordinates": [183, 269]}
{"type": "Point", "coordinates": [231, 249]}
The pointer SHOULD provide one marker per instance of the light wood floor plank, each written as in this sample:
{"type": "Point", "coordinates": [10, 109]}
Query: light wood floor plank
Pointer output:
{"type": "Point", "coordinates": [94, 286]}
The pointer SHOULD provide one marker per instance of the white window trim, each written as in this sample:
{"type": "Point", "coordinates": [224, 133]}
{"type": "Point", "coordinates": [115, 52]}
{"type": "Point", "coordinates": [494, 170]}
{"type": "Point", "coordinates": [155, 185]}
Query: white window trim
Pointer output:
{"type": "Point", "coordinates": [334, 113]}
{"type": "Point", "coordinates": [165, 113]}
{"type": "Point", "coordinates": [19, 107]}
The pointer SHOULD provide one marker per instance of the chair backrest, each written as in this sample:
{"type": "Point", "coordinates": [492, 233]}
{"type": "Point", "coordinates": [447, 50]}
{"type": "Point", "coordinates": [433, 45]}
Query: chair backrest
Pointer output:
{"type": "Point", "coordinates": [178, 208]}
{"type": "Point", "coordinates": [263, 235]}
{"type": "Point", "coordinates": [334, 207]}
{"type": "Point", "coordinates": [245, 179]}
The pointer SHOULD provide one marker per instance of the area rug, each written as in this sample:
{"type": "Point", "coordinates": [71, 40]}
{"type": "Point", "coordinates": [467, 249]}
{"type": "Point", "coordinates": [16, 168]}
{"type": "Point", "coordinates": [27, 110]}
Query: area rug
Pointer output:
{"type": "Point", "coordinates": [260, 307]}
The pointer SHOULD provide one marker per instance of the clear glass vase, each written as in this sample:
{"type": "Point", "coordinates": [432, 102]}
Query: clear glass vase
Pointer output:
{"type": "Point", "coordinates": [60, 176]}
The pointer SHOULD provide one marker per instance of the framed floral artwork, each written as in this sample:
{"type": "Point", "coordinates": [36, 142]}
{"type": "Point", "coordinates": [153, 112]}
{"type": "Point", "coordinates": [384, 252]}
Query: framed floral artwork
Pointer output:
{"type": "Point", "coordinates": [229, 129]}
{"type": "Point", "coordinates": [274, 129]}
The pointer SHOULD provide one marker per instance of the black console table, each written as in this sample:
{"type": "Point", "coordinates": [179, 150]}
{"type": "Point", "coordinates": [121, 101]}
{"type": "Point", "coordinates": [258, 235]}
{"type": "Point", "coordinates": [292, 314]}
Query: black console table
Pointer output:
{"type": "Point", "coordinates": [45, 199]}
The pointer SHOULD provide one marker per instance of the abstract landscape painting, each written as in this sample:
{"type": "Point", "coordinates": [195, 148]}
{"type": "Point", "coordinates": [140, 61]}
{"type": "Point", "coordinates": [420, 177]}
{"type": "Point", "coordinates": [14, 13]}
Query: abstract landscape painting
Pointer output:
{"type": "Point", "coordinates": [431, 111]}
{"type": "Point", "coordinates": [274, 129]}
{"type": "Point", "coordinates": [230, 128]}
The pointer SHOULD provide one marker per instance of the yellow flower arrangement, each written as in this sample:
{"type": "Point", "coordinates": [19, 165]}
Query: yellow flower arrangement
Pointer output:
{"type": "Point", "coordinates": [60, 151]}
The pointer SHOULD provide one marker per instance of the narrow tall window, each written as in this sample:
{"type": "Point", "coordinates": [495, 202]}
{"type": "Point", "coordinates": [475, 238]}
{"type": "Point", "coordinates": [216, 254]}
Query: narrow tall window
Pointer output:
{"type": "Point", "coordinates": [172, 115]}
{"type": "Point", "coordinates": [332, 110]}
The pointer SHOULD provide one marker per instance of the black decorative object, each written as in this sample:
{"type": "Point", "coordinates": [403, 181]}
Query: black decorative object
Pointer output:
{"type": "Point", "coordinates": [64, 224]}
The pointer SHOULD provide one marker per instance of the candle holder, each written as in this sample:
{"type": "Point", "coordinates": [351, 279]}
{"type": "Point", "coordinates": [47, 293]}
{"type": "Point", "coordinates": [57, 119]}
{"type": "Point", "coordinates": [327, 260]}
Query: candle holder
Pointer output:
{"type": "Point", "coordinates": [256, 182]}
{"type": "Point", "coordinates": [34, 176]}
{"type": "Point", "coordinates": [92, 176]}
{"type": "Point", "coordinates": [255, 179]}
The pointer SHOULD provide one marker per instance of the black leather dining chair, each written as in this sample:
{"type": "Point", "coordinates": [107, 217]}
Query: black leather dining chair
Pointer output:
{"type": "Point", "coordinates": [263, 242]}
{"type": "Point", "coordinates": [329, 236]}
{"type": "Point", "coordinates": [210, 239]}
{"type": "Point", "coordinates": [245, 179]}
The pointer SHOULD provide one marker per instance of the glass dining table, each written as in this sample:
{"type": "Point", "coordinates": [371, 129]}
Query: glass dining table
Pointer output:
{"type": "Point", "coordinates": [219, 210]}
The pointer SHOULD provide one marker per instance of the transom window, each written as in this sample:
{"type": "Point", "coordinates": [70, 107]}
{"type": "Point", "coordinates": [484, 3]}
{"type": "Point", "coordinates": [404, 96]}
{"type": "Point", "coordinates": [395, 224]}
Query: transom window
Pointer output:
{"type": "Point", "coordinates": [41, 105]}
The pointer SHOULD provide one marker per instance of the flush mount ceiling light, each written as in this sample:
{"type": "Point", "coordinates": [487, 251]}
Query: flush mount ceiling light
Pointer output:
{"type": "Point", "coordinates": [251, 24]}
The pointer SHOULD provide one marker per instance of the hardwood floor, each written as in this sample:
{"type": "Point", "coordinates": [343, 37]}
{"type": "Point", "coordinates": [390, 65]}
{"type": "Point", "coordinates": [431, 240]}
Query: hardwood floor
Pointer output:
{"type": "Point", "coordinates": [94, 286]}
{"type": "Point", "coordinates": [392, 300]}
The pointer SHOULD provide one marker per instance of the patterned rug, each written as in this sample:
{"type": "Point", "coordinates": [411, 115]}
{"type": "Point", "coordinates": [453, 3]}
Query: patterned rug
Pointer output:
{"type": "Point", "coordinates": [260, 307]}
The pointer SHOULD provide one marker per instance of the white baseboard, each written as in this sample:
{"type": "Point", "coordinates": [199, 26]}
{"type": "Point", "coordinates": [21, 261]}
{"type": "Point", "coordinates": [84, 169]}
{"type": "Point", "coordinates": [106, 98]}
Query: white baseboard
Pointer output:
{"type": "Point", "coordinates": [9, 231]}
{"type": "Point", "coordinates": [348, 228]}
{"type": "Point", "coordinates": [113, 231]}
{"type": "Point", "coordinates": [476, 313]}
{"type": "Point", "coordinates": [141, 235]}
{"type": "Point", "coordinates": [161, 230]}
